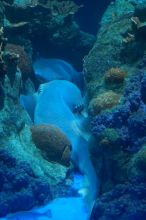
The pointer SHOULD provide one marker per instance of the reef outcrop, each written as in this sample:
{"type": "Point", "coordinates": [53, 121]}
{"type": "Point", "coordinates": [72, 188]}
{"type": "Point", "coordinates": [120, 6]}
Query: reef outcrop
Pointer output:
{"type": "Point", "coordinates": [116, 64]}
{"type": "Point", "coordinates": [50, 22]}
{"type": "Point", "coordinates": [24, 173]}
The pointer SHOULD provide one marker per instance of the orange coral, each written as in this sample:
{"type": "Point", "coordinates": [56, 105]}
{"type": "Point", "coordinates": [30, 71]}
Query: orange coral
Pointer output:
{"type": "Point", "coordinates": [24, 63]}
{"type": "Point", "coordinates": [102, 102]}
{"type": "Point", "coordinates": [52, 142]}
{"type": "Point", "coordinates": [115, 76]}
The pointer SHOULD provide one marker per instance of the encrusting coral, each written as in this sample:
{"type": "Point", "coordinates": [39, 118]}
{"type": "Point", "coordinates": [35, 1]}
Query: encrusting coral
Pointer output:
{"type": "Point", "coordinates": [115, 76]}
{"type": "Point", "coordinates": [102, 102]}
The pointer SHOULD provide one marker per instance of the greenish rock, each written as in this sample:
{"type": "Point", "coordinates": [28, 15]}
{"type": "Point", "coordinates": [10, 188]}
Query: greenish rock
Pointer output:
{"type": "Point", "coordinates": [137, 165]}
{"type": "Point", "coordinates": [111, 135]}
{"type": "Point", "coordinates": [116, 10]}
{"type": "Point", "coordinates": [110, 51]}
{"type": "Point", "coordinates": [22, 2]}
{"type": "Point", "coordinates": [23, 170]}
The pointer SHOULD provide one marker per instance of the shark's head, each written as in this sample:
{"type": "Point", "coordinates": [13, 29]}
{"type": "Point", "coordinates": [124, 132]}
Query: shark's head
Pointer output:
{"type": "Point", "coordinates": [73, 97]}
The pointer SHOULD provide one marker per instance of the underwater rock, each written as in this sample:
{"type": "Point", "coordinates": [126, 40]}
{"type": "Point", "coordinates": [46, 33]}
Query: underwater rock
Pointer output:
{"type": "Point", "coordinates": [137, 166]}
{"type": "Point", "coordinates": [22, 2]}
{"type": "Point", "coordinates": [28, 102]}
{"type": "Point", "coordinates": [109, 153]}
{"type": "Point", "coordinates": [105, 54]}
{"type": "Point", "coordinates": [109, 140]}
{"type": "Point", "coordinates": [52, 142]}
{"type": "Point", "coordinates": [54, 27]}
{"type": "Point", "coordinates": [127, 117]}
{"type": "Point", "coordinates": [143, 88]}
{"type": "Point", "coordinates": [124, 202]}
{"type": "Point", "coordinates": [1, 14]}
{"type": "Point", "coordinates": [117, 10]}
{"type": "Point", "coordinates": [25, 175]}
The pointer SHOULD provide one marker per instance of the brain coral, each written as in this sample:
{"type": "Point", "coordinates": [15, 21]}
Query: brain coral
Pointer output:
{"type": "Point", "coordinates": [52, 142]}
{"type": "Point", "coordinates": [102, 102]}
{"type": "Point", "coordinates": [115, 76]}
{"type": "Point", "coordinates": [24, 64]}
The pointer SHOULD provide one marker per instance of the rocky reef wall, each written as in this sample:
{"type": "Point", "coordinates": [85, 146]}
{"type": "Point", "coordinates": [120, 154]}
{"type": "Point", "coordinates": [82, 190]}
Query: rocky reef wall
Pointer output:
{"type": "Point", "coordinates": [29, 29]}
{"type": "Point", "coordinates": [115, 78]}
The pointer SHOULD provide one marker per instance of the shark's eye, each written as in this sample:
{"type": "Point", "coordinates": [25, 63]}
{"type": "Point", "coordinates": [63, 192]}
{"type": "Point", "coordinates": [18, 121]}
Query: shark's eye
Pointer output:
{"type": "Point", "coordinates": [78, 109]}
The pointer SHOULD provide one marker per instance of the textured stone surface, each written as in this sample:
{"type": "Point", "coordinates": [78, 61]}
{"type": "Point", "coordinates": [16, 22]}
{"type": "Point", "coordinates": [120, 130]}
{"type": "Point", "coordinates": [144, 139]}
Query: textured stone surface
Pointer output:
{"type": "Point", "coordinates": [24, 174]}
{"type": "Point", "coordinates": [119, 131]}
{"type": "Point", "coordinates": [51, 23]}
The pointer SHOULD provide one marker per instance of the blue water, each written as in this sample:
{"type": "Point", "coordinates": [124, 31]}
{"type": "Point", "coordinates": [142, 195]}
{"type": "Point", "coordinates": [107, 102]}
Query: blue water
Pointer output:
{"type": "Point", "coordinates": [71, 208]}
{"type": "Point", "coordinates": [60, 209]}
{"type": "Point", "coordinates": [89, 16]}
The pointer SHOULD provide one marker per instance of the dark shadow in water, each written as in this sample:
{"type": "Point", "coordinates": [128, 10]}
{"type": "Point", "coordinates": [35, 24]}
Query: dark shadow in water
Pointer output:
{"type": "Point", "coordinates": [90, 15]}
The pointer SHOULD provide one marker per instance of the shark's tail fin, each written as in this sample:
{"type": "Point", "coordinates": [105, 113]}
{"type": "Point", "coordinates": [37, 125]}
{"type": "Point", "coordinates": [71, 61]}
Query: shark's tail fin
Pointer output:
{"type": "Point", "coordinates": [90, 186]}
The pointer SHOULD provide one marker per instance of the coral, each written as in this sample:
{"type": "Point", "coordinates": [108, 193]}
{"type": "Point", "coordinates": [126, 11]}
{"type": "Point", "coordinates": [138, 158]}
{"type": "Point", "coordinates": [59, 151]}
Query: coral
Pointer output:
{"type": "Point", "coordinates": [115, 76]}
{"type": "Point", "coordinates": [136, 124]}
{"type": "Point", "coordinates": [124, 202]}
{"type": "Point", "coordinates": [137, 166]}
{"type": "Point", "coordinates": [63, 8]}
{"type": "Point", "coordinates": [18, 177]}
{"type": "Point", "coordinates": [109, 140]}
{"type": "Point", "coordinates": [138, 25]}
{"type": "Point", "coordinates": [56, 7]}
{"type": "Point", "coordinates": [3, 42]}
{"type": "Point", "coordinates": [140, 160]}
{"type": "Point", "coordinates": [143, 85]}
{"type": "Point", "coordinates": [52, 23]}
{"type": "Point", "coordinates": [24, 61]}
{"type": "Point", "coordinates": [103, 101]}
{"type": "Point", "coordinates": [24, 174]}
{"type": "Point", "coordinates": [52, 142]}
{"type": "Point", "coordinates": [123, 159]}
{"type": "Point", "coordinates": [129, 38]}
{"type": "Point", "coordinates": [128, 118]}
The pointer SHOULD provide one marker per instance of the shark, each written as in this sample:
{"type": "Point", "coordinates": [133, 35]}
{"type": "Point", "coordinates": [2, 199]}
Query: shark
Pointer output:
{"type": "Point", "coordinates": [55, 105]}
{"type": "Point", "coordinates": [56, 69]}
